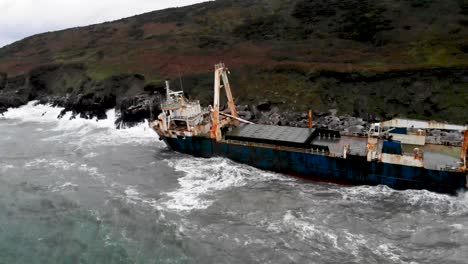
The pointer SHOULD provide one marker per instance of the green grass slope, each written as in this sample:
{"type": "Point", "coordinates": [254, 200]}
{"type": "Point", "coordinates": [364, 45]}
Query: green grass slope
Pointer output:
{"type": "Point", "coordinates": [286, 51]}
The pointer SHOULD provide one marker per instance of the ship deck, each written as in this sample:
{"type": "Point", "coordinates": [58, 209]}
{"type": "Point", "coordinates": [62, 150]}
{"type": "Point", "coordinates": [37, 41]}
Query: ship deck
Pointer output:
{"type": "Point", "coordinates": [436, 157]}
{"type": "Point", "coordinates": [276, 135]}
{"type": "Point", "coordinates": [357, 145]}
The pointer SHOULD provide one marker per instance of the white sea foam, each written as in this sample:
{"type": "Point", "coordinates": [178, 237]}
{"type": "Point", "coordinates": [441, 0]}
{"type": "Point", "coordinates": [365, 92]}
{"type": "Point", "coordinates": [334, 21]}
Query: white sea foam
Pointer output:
{"type": "Point", "coordinates": [353, 242]}
{"type": "Point", "coordinates": [204, 177]}
{"type": "Point", "coordinates": [457, 226]}
{"type": "Point", "coordinates": [390, 251]}
{"type": "Point", "coordinates": [133, 196]}
{"type": "Point", "coordinates": [429, 201]}
{"type": "Point", "coordinates": [81, 130]}
{"type": "Point", "coordinates": [53, 163]}
{"type": "Point", "coordinates": [67, 186]}
{"type": "Point", "coordinates": [66, 166]}
{"type": "Point", "coordinates": [91, 155]}
{"type": "Point", "coordinates": [452, 205]}
{"type": "Point", "coordinates": [92, 171]}
{"type": "Point", "coordinates": [365, 193]}
{"type": "Point", "coordinates": [304, 229]}
{"type": "Point", "coordinates": [33, 112]}
{"type": "Point", "coordinates": [6, 167]}
{"type": "Point", "coordinates": [324, 238]}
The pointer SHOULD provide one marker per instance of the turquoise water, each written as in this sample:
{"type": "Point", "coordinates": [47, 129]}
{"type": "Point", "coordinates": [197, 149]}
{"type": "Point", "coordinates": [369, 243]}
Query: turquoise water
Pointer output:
{"type": "Point", "coordinates": [82, 192]}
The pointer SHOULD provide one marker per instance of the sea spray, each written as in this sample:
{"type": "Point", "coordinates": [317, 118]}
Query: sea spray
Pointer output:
{"type": "Point", "coordinates": [79, 127]}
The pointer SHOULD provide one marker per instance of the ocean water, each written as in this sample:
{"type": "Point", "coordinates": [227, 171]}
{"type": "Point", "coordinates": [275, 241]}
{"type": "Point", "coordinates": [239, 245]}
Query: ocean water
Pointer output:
{"type": "Point", "coordinates": [80, 191]}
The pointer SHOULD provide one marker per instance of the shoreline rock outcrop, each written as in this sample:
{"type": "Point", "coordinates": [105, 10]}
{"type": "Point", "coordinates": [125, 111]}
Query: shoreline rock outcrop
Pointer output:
{"type": "Point", "coordinates": [135, 99]}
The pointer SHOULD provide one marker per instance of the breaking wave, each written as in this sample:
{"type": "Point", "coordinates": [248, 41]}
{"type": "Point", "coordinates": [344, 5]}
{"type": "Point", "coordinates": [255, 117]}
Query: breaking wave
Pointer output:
{"type": "Point", "coordinates": [275, 215]}
{"type": "Point", "coordinates": [5, 167]}
{"type": "Point", "coordinates": [409, 199]}
{"type": "Point", "coordinates": [62, 182]}
{"type": "Point", "coordinates": [205, 177]}
{"type": "Point", "coordinates": [323, 238]}
{"type": "Point", "coordinates": [79, 129]}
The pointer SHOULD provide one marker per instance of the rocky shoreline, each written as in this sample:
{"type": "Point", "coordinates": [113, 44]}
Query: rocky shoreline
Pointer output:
{"type": "Point", "coordinates": [131, 111]}
{"type": "Point", "coordinates": [69, 86]}
{"type": "Point", "coordinates": [346, 124]}
{"type": "Point", "coordinates": [135, 99]}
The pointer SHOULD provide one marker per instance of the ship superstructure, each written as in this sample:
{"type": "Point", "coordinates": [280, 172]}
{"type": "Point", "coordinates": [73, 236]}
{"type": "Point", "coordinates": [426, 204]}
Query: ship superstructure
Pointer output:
{"type": "Point", "coordinates": [394, 153]}
{"type": "Point", "coordinates": [181, 117]}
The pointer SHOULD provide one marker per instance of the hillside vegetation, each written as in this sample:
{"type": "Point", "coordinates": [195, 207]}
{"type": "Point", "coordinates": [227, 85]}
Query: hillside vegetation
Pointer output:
{"type": "Point", "coordinates": [377, 57]}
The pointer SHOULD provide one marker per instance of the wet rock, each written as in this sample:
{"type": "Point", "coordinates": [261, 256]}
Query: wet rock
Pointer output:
{"type": "Point", "coordinates": [242, 108]}
{"type": "Point", "coordinates": [264, 106]}
{"type": "Point", "coordinates": [88, 106]}
{"type": "Point", "coordinates": [435, 133]}
{"type": "Point", "coordinates": [134, 110]}
{"type": "Point", "coordinates": [453, 137]}
{"type": "Point", "coordinates": [12, 99]}
{"type": "Point", "coordinates": [255, 112]}
{"type": "Point", "coordinates": [356, 129]}
{"type": "Point", "coordinates": [246, 115]}
{"type": "Point", "coordinates": [3, 80]}
{"type": "Point", "coordinates": [275, 118]}
{"type": "Point", "coordinates": [355, 121]}
{"type": "Point", "coordinates": [334, 123]}
{"type": "Point", "coordinates": [275, 109]}
{"type": "Point", "coordinates": [320, 114]}
{"type": "Point", "coordinates": [264, 119]}
{"type": "Point", "coordinates": [284, 122]}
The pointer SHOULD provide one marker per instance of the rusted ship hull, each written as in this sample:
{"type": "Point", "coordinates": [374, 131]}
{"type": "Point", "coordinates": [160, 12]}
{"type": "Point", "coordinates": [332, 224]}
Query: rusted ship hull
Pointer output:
{"type": "Point", "coordinates": [394, 153]}
{"type": "Point", "coordinates": [354, 170]}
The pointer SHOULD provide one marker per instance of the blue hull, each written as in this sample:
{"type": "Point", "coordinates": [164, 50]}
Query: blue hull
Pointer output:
{"type": "Point", "coordinates": [355, 170]}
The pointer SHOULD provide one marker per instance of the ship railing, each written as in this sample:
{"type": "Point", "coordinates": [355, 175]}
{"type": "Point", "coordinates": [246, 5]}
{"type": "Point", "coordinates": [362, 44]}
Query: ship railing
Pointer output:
{"type": "Point", "coordinates": [175, 105]}
{"type": "Point", "coordinates": [188, 117]}
{"type": "Point", "coordinates": [270, 146]}
{"type": "Point", "coordinates": [185, 118]}
{"type": "Point", "coordinates": [450, 168]}
{"type": "Point", "coordinates": [171, 105]}
{"type": "Point", "coordinates": [416, 133]}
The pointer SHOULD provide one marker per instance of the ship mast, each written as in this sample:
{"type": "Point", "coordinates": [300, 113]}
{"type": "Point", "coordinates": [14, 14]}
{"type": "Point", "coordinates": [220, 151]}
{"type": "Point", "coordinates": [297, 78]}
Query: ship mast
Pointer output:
{"type": "Point", "coordinates": [221, 75]}
{"type": "Point", "coordinates": [465, 151]}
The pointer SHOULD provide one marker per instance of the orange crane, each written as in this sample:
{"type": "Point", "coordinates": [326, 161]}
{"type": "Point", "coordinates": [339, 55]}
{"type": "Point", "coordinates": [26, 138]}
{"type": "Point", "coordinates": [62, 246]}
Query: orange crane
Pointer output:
{"type": "Point", "coordinates": [221, 76]}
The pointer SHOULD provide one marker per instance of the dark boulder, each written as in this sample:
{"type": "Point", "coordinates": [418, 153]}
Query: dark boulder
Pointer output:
{"type": "Point", "coordinates": [264, 106]}
{"type": "Point", "coordinates": [3, 80]}
{"type": "Point", "coordinates": [134, 110]}
{"type": "Point", "coordinates": [13, 92]}
{"type": "Point", "coordinates": [87, 106]}
{"type": "Point", "coordinates": [245, 114]}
